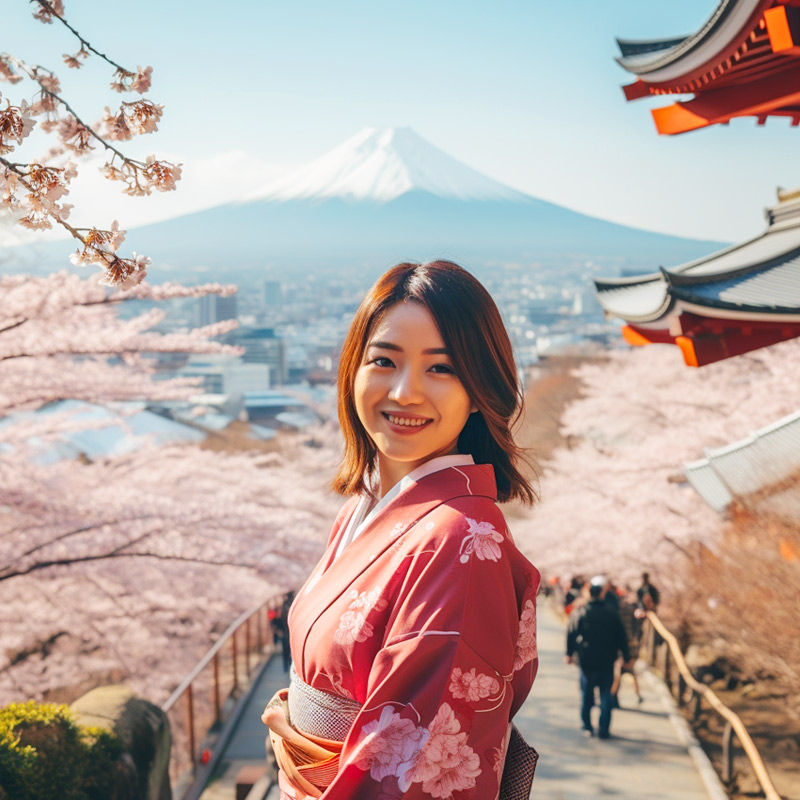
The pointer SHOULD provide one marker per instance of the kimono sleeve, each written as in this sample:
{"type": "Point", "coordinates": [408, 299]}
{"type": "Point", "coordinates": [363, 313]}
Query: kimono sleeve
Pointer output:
{"type": "Point", "coordinates": [457, 660]}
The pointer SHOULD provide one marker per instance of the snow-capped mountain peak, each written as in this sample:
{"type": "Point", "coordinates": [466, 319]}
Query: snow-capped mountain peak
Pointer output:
{"type": "Point", "coordinates": [380, 164]}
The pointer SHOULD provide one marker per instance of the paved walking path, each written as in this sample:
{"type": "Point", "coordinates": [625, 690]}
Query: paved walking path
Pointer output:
{"type": "Point", "coordinates": [644, 759]}
{"type": "Point", "coordinates": [247, 745]}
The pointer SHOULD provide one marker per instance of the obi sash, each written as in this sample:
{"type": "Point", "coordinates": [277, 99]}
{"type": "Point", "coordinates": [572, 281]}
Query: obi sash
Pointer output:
{"type": "Point", "coordinates": [307, 729]}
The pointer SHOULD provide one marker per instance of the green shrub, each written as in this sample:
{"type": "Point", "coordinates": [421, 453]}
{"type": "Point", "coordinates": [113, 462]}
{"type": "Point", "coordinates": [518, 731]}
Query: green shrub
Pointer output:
{"type": "Point", "coordinates": [46, 755]}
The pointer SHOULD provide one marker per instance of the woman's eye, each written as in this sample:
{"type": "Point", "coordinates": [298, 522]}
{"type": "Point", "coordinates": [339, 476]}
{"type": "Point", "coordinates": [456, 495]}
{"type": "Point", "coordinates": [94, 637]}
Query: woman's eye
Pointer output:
{"type": "Point", "coordinates": [444, 369]}
{"type": "Point", "coordinates": [382, 361]}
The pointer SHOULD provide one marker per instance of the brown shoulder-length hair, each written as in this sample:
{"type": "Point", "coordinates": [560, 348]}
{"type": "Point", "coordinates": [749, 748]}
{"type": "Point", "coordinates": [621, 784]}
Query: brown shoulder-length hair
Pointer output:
{"type": "Point", "coordinates": [474, 334]}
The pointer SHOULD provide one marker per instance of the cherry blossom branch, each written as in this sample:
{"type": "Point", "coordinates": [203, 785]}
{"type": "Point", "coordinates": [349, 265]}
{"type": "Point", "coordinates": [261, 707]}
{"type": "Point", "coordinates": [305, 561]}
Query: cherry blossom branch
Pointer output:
{"type": "Point", "coordinates": [33, 74]}
{"type": "Point", "coordinates": [85, 45]}
{"type": "Point", "coordinates": [77, 532]}
{"type": "Point", "coordinates": [61, 562]}
{"type": "Point", "coordinates": [46, 185]}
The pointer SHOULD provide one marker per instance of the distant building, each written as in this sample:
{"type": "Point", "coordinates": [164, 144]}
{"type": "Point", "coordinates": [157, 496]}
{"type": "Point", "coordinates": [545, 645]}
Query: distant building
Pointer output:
{"type": "Point", "coordinates": [212, 308]}
{"type": "Point", "coordinates": [267, 406]}
{"type": "Point", "coordinates": [263, 346]}
{"type": "Point", "coordinates": [271, 294]}
{"type": "Point", "coordinates": [759, 473]}
{"type": "Point", "coordinates": [227, 375]}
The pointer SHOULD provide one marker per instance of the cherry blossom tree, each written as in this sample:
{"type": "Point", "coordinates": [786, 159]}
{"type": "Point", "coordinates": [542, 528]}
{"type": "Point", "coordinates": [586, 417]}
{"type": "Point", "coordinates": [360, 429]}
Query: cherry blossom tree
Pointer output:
{"type": "Point", "coordinates": [33, 190]}
{"type": "Point", "coordinates": [615, 500]}
{"type": "Point", "coordinates": [123, 568]}
{"type": "Point", "coordinates": [120, 568]}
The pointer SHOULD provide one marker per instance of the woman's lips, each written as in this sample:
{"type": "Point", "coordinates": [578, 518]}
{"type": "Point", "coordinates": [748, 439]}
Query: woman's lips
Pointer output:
{"type": "Point", "coordinates": [405, 424]}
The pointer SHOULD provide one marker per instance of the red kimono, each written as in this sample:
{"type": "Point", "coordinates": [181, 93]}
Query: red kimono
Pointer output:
{"type": "Point", "coordinates": [428, 619]}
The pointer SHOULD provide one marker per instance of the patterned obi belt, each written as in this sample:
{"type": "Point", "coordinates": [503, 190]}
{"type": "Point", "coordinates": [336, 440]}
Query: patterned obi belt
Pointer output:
{"type": "Point", "coordinates": [307, 729]}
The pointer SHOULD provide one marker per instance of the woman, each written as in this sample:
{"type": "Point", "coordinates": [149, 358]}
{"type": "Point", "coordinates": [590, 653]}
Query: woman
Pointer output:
{"type": "Point", "coordinates": [414, 639]}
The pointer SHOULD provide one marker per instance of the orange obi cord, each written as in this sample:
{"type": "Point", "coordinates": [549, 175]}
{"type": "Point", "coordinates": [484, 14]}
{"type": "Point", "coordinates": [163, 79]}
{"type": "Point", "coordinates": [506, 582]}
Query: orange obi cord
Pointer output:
{"type": "Point", "coordinates": [308, 764]}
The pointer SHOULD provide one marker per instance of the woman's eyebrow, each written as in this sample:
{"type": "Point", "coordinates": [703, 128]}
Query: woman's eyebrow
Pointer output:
{"type": "Point", "coordinates": [386, 346]}
{"type": "Point", "coordinates": [431, 351]}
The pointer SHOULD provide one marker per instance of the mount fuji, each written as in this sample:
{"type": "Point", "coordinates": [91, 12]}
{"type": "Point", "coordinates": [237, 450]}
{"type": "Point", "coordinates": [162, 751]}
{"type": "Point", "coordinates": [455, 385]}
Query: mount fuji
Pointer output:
{"type": "Point", "coordinates": [379, 165]}
{"type": "Point", "coordinates": [386, 195]}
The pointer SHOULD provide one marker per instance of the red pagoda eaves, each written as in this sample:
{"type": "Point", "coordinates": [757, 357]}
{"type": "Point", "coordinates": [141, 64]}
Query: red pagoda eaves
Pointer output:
{"type": "Point", "coordinates": [744, 62]}
{"type": "Point", "coordinates": [725, 304]}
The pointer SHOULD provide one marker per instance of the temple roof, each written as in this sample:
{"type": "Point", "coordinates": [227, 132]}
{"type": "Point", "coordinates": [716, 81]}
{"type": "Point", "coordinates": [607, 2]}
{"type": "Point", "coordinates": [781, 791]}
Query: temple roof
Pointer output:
{"type": "Point", "coordinates": [745, 61]}
{"type": "Point", "coordinates": [757, 469]}
{"type": "Point", "coordinates": [759, 278]}
{"type": "Point", "coordinates": [663, 60]}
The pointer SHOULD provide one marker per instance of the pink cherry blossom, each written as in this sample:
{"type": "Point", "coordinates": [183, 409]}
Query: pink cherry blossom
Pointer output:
{"type": "Point", "coordinates": [45, 11]}
{"type": "Point", "coordinates": [102, 558]}
{"type": "Point", "coordinates": [472, 685]}
{"type": "Point", "coordinates": [446, 763]}
{"type": "Point", "coordinates": [15, 125]}
{"type": "Point", "coordinates": [141, 83]}
{"type": "Point", "coordinates": [388, 746]}
{"type": "Point", "coordinates": [7, 72]}
{"type": "Point", "coordinates": [616, 499]}
{"type": "Point", "coordinates": [39, 209]}
{"type": "Point", "coordinates": [162, 175]}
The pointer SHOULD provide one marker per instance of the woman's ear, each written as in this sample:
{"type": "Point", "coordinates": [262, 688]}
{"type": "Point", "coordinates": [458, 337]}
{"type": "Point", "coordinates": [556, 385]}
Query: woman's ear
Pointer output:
{"type": "Point", "coordinates": [473, 409]}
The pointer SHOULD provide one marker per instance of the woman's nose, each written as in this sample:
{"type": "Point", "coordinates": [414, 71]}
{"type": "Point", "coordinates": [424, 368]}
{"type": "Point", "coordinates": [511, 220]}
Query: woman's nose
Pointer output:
{"type": "Point", "coordinates": [406, 387]}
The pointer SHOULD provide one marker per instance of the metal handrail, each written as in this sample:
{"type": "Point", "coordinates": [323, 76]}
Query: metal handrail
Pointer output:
{"type": "Point", "coordinates": [701, 692]}
{"type": "Point", "coordinates": [206, 659]}
{"type": "Point", "coordinates": [252, 646]}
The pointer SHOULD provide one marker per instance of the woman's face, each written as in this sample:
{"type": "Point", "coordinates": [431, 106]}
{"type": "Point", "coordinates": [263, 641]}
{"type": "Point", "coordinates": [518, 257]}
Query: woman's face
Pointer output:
{"type": "Point", "coordinates": [407, 395]}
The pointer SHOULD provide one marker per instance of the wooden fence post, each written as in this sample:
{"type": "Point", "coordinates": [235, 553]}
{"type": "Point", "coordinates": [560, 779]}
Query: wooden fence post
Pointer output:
{"type": "Point", "coordinates": [727, 753]}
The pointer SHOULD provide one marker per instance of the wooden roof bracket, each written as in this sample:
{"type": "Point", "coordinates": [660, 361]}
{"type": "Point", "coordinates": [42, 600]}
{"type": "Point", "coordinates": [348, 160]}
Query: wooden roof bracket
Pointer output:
{"type": "Point", "coordinates": [720, 105]}
{"type": "Point", "coordinates": [783, 28]}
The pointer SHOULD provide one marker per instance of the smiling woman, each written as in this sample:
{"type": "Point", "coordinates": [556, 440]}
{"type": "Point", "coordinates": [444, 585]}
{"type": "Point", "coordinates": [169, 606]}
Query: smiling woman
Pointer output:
{"type": "Point", "coordinates": [408, 397]}
{"type": "Point", "coordinates": [464, 324]}
{"type": "Point", "coordinates": [414, 640]}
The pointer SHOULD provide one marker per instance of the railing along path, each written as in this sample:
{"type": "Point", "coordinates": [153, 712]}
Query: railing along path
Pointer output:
{"type": "Point", "coordinates": [218, 678]}
{"type": "Point", "coordinates": [700, 692]}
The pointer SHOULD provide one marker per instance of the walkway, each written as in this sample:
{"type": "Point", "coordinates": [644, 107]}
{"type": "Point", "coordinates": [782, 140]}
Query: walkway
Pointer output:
{"type": "Point", "coordinates": [644, 759]}
{"type": "Point", "coordinates": [247, 745]}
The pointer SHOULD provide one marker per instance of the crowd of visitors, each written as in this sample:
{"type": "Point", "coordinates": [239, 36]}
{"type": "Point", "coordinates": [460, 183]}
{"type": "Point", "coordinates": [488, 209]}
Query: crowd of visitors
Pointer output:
{"type": "Point", "coordinates": [603, 636]}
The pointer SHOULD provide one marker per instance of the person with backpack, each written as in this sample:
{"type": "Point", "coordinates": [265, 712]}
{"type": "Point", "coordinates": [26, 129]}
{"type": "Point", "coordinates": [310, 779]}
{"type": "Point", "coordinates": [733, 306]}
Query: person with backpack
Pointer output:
{"type": "Point", "coordinates": [595, 638]}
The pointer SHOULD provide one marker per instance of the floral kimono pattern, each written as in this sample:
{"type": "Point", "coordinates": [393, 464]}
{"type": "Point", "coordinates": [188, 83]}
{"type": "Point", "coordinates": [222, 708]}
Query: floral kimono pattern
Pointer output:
{"type": "Point", "coordinates": [427, 619]}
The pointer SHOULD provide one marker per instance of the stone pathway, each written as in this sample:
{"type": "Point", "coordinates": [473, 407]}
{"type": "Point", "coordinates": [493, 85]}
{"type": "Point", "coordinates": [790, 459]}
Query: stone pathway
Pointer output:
{"type": "Point", "coordinates": [644, 759]}
{"type": "Point", "coordinates": [247, 745]}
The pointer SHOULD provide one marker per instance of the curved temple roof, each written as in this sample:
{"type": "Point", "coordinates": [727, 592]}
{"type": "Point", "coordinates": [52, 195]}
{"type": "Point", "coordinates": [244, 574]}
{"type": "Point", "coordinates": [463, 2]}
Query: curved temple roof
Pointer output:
{"type": "Point", "coordinates": [668, 59]}
{"type": "Point", "coordinates": [742, 62]}
{"type": "Point", "coordinates": [756, 468]}
{"type": "Point", "coordinates": [761, 275]}
{"type": "Point", "coordinates": [754, 285]}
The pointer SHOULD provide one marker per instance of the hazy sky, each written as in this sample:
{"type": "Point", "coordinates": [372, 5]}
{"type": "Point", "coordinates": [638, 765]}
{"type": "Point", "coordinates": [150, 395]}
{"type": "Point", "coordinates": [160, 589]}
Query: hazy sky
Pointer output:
{"type": "Point", "coordinates": [527, 92]}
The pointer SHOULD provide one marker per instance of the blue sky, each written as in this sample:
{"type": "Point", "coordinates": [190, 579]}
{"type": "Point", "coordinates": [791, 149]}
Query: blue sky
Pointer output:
{"type": "Point", "coordinates": [526, 91]}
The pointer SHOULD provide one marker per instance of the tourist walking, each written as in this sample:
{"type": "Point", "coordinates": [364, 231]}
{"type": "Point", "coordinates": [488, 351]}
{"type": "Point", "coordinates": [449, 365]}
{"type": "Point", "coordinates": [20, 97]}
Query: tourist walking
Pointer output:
{"type": "Point", "coordinates": [647, 594]}
{"type": "Point", "coordinates": [414, 639]}
{"type": "Point", "coordinates": [595, 638]}
{"type": "Point", "coordinates": [633, 628]}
